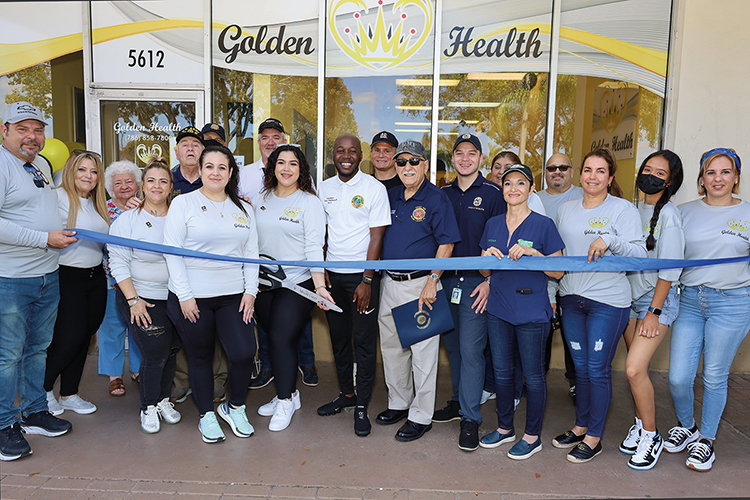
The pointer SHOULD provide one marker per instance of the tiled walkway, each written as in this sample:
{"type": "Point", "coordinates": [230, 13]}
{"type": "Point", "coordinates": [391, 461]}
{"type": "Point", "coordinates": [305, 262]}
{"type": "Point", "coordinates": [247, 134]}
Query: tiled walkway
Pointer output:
{"type": "Point", "coordinates": [107, 456]}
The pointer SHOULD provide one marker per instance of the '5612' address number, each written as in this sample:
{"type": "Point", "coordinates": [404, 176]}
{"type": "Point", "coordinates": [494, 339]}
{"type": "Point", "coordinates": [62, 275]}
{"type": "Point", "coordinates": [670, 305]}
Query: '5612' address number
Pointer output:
{"type": "Point", "coordinates": [146, 58]}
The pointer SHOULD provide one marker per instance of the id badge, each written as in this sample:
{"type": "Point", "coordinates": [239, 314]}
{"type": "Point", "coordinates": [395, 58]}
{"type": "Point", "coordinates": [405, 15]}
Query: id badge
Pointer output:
{"type": "Point", "coordinates": [456, 296]}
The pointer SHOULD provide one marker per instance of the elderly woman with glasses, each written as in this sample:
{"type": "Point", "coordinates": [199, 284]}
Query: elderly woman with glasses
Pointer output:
{"type": "Point", "coordinates": [121, 179]}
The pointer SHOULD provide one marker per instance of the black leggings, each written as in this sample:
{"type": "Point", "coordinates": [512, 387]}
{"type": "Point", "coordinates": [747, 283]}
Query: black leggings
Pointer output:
{"type": "Point", "coordinates": [219, 316]}
{"type": "Point", "coordinates": [283, 314]}
{"type": "Point", "coordinates": [158, 348]}
{"type": "Point", "coordinates": [83, 299]}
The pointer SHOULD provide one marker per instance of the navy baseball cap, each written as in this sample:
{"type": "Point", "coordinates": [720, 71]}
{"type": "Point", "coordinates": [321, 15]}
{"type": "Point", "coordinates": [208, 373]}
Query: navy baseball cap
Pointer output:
{"type": "Point", "coordinates": [468, 138]}
{"type": "Point", "coordinates": [521, 169]}
{"type": "Point", "coordinates": [214, 127]}
{"type": "Point", "coordinates": [189, 132]}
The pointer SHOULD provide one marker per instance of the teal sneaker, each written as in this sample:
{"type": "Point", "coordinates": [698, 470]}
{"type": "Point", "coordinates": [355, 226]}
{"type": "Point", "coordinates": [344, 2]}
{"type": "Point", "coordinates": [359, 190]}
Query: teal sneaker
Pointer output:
{"type": "Point", "coordinates": [210, 430]}
{"type": "Point", "coordinates": [237, 420]}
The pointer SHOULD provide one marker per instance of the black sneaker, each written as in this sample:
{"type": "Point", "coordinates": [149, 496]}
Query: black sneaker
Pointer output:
{"type": "Point", "coordinates": [263, 379]}
{"type": "Point", "coordinates": [701, 455]}
{"type": "Point", "coordinates": [680, 437]}
{"type": "Point", "coordinates": [12, 443]}
{"type": "Point", "coordinates": [362, 426]}
{"type": "Point", "coordinates": [468, 440]}
{"type": "Point", "coordinates": [309, 375]}
{"type": "Point", "coordinates": [582, 453]}
{"type": "Point", "coordinates": [45, 423]}
{"type": "Point", "coordinates": [447, 414]}
{"type": "Point", "coordinates": [341, 402]}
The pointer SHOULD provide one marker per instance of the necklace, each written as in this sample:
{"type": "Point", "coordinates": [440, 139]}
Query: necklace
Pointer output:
{"type": "Point", "coordinates": [221, 212]}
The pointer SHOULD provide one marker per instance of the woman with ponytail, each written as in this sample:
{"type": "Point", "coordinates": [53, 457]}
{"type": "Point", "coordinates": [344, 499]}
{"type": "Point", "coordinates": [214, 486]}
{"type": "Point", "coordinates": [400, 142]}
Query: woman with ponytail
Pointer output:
{"type": "Point", "coordinates": [655, 299]}
{"type": "Point", "coordinates": [595, 304]}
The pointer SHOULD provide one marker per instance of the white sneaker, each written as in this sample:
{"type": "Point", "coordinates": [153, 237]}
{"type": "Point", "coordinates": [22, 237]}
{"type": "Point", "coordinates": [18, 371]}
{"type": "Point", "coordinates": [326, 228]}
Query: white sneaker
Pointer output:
{"type": "Point", "coordinates": [282, 415]}
{"type": "Point", "coordinates": [648, 452]}
{"type": "Point", "coordinates": [167, 412]}
{"type": "Point", "coordinates": [150, 420]}
{"type": "Point", "coordinates": [629, 445]}
{"type": "Point", "coordinates": [516, 402]}
{"type": "Point", "coordinates": [486, 396]}
{"type": "Point", "coordinates": [78, 405]}
{"type": "Point", "coordinates": [53, 405]}
{"type": "Point", "coordinates": [267, 409]}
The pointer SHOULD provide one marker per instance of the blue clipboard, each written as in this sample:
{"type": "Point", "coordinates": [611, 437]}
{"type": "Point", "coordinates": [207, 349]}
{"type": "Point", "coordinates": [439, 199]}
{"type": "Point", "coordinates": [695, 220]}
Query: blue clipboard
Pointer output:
{"type": "Point", "coordinates": [414, 326]}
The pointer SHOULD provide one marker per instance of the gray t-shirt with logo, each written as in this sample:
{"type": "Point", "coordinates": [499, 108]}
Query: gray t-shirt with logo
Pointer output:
{"type": "Point", "coordinates": [715, 233]}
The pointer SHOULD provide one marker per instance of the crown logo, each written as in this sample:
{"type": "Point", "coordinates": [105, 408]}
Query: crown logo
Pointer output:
{"type": "Point", "coordinates": [145, 154]}
{"type": "Point", "coordinates": [612, 108]}
{"type": "Point", "coordinates": [375, 43]}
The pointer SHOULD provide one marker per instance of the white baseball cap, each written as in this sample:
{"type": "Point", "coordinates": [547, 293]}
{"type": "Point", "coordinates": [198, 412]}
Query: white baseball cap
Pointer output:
{"type": "Point", "coordinates": [20, 111]}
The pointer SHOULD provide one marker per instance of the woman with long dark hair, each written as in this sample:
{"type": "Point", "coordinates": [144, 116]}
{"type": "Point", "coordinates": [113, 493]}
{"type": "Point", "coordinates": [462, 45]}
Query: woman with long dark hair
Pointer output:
{"type": "Point", "coordinates": [142, 279]}
{"type": "Point", "coordinates": [595, 304]}
{"type": "Point", "coordinates": [210, 298]}
{"type": "Point", "coordinates": [714, 305]}
{"type": "Point", "coordinates": [83, 286]}
{"type": "Point", "coordinates": [655, 299]}
{"type": "Point", "coordinates": [291, 226]}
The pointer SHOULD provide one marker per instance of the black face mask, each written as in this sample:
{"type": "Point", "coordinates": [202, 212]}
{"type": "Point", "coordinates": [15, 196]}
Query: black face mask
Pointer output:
{"type": "Point", "coordinates": [650, 184]}
{"type": "Point", "coordinates": [211, 142]}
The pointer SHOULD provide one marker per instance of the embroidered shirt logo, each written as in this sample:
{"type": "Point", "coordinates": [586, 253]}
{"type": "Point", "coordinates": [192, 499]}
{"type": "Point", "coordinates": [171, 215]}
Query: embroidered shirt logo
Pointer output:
{"type": "Point", "coordinates": [419, 214]}
{"type": "Point", "coordinates": [358, 201]}
{"type": "Point", "coordinates": [291, 211]}
{"type": "Point", "coordinates": [477, 201]}
{"type": "Point", "coordinates": [240, 218]}
{"type": "Point", "coordinates": [598, 222]}
{"type": "Point", "coordinates": [738, 225]}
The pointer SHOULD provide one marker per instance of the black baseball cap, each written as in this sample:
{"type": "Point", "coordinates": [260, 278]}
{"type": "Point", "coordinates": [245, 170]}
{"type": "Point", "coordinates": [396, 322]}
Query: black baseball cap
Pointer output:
{"type": "Point", "coordinates": [214, 127]}
{"type": "Point", "coordinates": [385, 137]}
{"type": "Point", "coordinates": [468, 138]}
{"type": "Point", "coordinates": [271, 123]}
{"type": "Point", "coordinates": [521, 169]}
{"type": "Point", "coordinates": [189, 132]}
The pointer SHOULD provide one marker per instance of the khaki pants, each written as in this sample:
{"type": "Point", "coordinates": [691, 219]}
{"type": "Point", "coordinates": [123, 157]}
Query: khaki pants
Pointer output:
{"type": "Point", "coordinates": [410, 374]}
{"type": "Point", "coordinates": [221, 366]}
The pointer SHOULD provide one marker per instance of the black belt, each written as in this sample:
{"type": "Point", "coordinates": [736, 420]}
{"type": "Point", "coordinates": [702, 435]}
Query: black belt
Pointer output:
{"type": "Point", "coordinates": [407, 276]}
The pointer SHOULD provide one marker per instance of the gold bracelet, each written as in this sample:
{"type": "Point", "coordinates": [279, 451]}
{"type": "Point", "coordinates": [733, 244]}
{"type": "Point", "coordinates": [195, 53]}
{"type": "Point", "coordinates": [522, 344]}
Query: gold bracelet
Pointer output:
{"type": "Point", "coordinates": [319, 286]}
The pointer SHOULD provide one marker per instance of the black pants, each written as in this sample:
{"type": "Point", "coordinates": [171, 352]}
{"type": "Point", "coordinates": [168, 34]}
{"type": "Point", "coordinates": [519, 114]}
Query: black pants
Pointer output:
{"type": "Point", "coordinates": [570, 369]}
{"type": "Point", "coordinates": [83, 300]}
{"type": "Point", "coordinates": [158, 346]}
{"type": "Point", "coordinates": [219, 316]}
{"type": "Point", "coordinates": [283, 314]}
{"type": "Point", "coordinates": [361, 327]}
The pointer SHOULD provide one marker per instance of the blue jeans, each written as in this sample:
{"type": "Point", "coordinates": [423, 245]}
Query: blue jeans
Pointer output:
{"type": "Point", "coordinates": [592, 330]}
{"type": "Point", "coordinates": [712, 322]}
{"type": "Point", "coordinates": [305, 352]}
{"type": "Point", "coordinates": [529, 343]}
{"type": "Point", "coordinates": [466, 345]}
{"type": "Point", "coordinates": [112, 334]}
{"type": "Point", "coordinates": [28, 310]}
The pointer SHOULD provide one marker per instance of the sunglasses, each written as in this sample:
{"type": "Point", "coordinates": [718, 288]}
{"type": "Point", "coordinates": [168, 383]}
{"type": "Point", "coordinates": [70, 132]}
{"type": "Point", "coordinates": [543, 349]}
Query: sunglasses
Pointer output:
{"type": "Point", "coordinates": [40, 180]}
{"type": "Point", "coordinates": [412, 161]}
{"type": "Point", "coordinates": [561, 168]}
{"type": "Point", "coordinates": [78, 152]}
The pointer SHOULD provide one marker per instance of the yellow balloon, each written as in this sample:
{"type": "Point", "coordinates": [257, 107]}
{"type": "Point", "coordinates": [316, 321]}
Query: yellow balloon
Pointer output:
{"type": "Point", "coordinates": [56, 152]}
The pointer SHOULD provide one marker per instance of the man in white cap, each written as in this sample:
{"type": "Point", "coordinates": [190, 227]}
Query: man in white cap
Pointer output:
{"type": "Point", "coordinates": [30, 234]}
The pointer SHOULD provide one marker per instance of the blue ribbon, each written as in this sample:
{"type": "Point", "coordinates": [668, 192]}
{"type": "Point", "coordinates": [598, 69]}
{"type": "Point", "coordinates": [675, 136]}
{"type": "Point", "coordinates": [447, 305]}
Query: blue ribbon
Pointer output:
{"type": "Point", "coordinates": [568, 264]}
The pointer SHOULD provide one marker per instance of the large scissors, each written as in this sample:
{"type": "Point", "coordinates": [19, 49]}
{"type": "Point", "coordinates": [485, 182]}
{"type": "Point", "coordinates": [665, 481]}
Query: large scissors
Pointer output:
{"type": "Point", "coordinates": [268, 279]}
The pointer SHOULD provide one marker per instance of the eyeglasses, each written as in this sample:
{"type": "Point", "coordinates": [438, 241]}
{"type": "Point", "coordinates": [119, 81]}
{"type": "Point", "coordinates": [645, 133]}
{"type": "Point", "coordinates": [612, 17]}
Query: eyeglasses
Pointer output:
{"type": "Point", "coordinates": [561, 168]}
{"type": "Point", "coordinates": [39, 178]}
{"type": "Point", "coordinates": [412, 161]}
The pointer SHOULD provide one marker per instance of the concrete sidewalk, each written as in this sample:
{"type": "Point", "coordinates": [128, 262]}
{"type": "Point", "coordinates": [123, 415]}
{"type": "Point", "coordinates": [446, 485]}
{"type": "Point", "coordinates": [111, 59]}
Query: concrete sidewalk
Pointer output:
{"type": "Point", "coordinates": [107, 456]}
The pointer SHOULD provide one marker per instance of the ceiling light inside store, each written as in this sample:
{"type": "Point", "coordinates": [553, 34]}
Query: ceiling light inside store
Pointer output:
{"type": "Point", "coordinates": [473, 104]}
{"type": "Point", "coordinates": [413, 124]}
{"type": "Point", "coordinates": [412, 130]}
{"type": "Point", "coordinates": [411, 82]}
{"type": "Point", "coordinates": [417, 108]}
{"type": "Point", "coordinates": [456, 122]}
{"type": "Point", "coordinates": [495, 76]}
{"type": "Point", "coordinates": [447, 133]}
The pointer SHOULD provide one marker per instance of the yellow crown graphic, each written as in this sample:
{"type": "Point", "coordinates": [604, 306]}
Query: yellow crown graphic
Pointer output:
{"type": "Point", "coordinates": [739, 225]}
{"type": "Point", "coordinates": [612, 107]}
{"type": "Point", "coordinates": [598, 222]}
{"type": "Point", "coordinates": [379, 45]}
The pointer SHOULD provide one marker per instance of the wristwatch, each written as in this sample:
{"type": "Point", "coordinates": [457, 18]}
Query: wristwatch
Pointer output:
{"type": "Point", "coordinates": [654, 311]}
{"type": "Point", "coordinates": [366, 280]}
{"type": "Point", "coordinates": [434, 277]}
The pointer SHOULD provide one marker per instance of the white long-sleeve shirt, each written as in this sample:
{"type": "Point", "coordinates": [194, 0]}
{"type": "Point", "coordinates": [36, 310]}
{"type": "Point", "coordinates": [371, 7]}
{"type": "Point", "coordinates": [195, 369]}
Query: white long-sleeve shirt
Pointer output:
{"type": "Point", "coordinates": [291, 228]}
{"type": "Point", "coordinates": [147, 270]}
{"type": "Point", "coordinates": [27, 214]}
{"type": "Point", "coordinates": [194, 222]}
{"type": "Point", "coordinates": [83, 253]}
{"type": "Point", "coordinates": [618, 223]}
